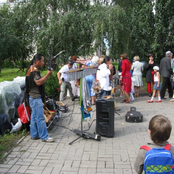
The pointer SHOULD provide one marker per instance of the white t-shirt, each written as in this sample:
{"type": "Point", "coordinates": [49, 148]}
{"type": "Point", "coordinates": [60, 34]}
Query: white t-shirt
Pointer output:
{"type": "Point", "coordinates": [63, 71]}
{"type": "Point", "coordinates": [156, 77]}
{"type": "Point", "coordinates": [103, 76]}
{"type": "Point", "coordinates": [74, 66]}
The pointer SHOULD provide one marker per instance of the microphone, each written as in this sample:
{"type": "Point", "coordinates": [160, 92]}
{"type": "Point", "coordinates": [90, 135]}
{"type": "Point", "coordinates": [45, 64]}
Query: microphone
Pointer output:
{"type": "Point", "coordinates": [50, 69]}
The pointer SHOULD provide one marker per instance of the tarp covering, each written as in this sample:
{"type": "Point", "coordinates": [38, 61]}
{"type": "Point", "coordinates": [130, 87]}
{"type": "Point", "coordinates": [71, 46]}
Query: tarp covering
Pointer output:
{"type": "Point", "coordinates": [9, 91]}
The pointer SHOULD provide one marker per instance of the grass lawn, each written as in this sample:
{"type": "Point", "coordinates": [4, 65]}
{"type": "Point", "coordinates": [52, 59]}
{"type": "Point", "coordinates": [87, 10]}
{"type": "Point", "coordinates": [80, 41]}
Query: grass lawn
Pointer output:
{"type": "Point", "coordinates": [8, 74]}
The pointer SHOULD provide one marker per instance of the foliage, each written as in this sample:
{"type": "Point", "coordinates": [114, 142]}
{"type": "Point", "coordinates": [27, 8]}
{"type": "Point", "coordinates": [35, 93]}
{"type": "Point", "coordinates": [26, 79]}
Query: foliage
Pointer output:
{"type": "Point", "coordinates": [16, 39]}
{"type": "Point", "coordinates": [164, 28]}
{"type": "Point", "coordinates": [52, 86]}
{"type": "Point", "coordinates": [115, 64]}
{"type": "Point", "coordinates": [9, 64]}
{"type": "Point", "coordinates": [142, 28]}
{"type": "Point", "coordinates": [79, 27]}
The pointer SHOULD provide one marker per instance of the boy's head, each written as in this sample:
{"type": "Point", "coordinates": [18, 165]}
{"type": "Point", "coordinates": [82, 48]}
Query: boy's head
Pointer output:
{"type": "Point", "coordinates": [160, 128]}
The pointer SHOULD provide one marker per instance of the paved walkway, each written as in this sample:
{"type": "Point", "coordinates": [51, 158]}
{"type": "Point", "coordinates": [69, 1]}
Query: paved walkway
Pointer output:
{"type": "Point", "coordinates": [86, 156]}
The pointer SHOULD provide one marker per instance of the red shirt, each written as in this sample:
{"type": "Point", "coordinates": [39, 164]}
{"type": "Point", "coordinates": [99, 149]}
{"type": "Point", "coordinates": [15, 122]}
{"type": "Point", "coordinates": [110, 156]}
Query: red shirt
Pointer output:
{"type": "Point", "coordinates": [126, 67]}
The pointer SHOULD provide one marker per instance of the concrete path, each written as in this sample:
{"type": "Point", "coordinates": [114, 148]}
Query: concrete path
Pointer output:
{"type": "Point", "coordinates": [87, 156]}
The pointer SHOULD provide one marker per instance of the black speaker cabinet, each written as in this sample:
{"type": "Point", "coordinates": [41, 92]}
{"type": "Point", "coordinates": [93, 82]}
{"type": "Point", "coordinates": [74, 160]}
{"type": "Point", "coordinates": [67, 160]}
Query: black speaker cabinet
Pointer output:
{"type": "Point", "coordinates": [105, 117]}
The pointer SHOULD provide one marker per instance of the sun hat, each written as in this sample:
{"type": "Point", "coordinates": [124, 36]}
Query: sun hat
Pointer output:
{"type": "Point", "coordinates": [156, 67]}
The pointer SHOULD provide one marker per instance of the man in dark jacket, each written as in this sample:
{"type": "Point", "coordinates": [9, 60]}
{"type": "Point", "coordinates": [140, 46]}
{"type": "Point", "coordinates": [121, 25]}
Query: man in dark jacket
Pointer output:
{"type": "Point", "coordinates": [166, 72]}
{"type": "Point", "coordinates": [35, 90]}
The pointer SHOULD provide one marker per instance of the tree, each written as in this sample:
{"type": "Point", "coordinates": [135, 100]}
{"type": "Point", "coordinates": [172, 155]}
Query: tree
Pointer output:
{"type": "Point", "coordinates": [7, 39]}
{"type": "Point", "coordinates": [164, 27]}
{"type": "Point", "coordinates": [16, 36]}
{"type": "Point", "coordinates": [142, 28]}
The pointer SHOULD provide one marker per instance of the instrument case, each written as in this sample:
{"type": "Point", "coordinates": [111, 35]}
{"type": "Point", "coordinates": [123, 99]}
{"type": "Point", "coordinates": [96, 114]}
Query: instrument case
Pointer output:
{"type": "Point", "coordinates": [133, 116]}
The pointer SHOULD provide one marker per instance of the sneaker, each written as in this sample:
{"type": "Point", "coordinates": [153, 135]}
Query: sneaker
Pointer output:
{"type": "Point", "coordinates": [49, 140]}
{"type": "Point", "coordinates": [150, 101]}
{"type": "Point", "coordinates": [158, 101]}
{"type": "Point", "coordinates": [172, 100]}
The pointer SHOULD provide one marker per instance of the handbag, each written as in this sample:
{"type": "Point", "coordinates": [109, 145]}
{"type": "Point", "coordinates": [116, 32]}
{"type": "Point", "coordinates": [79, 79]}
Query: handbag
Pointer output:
{"type": "Point", "coordinates": [24, 113]}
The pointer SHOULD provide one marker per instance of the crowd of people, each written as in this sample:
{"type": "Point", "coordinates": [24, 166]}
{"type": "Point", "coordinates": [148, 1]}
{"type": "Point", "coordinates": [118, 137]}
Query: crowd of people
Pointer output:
{"type": "Point", "coordinates": [130, 77]}
{"type": "Point", "coordinates": [99, 84]}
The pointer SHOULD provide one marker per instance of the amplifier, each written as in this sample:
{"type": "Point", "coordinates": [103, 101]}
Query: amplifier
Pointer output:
{"type": "Point", "coordinates": [105, 117]}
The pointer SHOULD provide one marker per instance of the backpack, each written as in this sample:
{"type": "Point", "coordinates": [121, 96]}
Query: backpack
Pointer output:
{"type": "Point", "coordinates": [158, 160]}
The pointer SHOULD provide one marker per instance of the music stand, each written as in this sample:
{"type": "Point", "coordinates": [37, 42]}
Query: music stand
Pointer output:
{"type": "Point", "coordinates": [74, 75]}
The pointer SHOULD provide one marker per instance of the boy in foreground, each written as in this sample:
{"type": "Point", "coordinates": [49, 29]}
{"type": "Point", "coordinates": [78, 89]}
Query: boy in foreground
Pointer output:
{"type": "Point", "coordinates": [159, 129]}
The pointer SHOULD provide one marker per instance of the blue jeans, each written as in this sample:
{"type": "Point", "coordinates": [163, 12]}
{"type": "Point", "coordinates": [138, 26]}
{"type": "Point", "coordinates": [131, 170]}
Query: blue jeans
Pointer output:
{"type": "Point", "coordinates": [89, 82]}
{"type": "Point", "coordinates": [103, 93]}
{"type": "Point", "coordinates": [37, 125]}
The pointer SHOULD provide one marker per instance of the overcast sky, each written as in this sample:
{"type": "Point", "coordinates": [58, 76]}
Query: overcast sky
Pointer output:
{"type": "Point", "coordinates": [1, 1]}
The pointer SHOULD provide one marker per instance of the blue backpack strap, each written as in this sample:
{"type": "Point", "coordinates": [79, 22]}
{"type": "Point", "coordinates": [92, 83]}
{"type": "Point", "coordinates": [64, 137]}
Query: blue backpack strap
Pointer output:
{"type": "Point", "coordinates": [167, 146]}
{"type": "Point", "coordinates": [145, 148]}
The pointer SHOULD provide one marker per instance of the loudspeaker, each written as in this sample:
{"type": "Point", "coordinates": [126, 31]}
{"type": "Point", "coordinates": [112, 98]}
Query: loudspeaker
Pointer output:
{"type": "Point", "coordinates": [105, 117]}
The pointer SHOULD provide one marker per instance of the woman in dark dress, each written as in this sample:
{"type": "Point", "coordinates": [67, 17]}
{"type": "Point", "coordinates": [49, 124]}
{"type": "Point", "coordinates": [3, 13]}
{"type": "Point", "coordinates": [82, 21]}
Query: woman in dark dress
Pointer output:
{"type": "Point", "coordinates": [150, 74]}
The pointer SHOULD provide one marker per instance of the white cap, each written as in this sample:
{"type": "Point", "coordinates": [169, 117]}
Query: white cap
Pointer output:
{"type": "Point", "coordinates": [169, 53]}
{"type": "Point", "coordinates": [156, 67]}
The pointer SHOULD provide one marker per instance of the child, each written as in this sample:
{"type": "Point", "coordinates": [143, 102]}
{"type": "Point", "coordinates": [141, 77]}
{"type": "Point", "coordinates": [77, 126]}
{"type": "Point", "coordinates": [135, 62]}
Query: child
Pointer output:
{"type": "Point", "coordinates": [159, 129]}
{"type": "Point", "coordinates": [132, 89]}
{"type": "Point", "coordinates": [157, 85]}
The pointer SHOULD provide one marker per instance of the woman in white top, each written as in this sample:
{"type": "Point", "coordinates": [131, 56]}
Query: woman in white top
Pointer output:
{"type": "Point", "coordinates": [137, 68]}
{"type": "Point", "coordinates": [103, 73]}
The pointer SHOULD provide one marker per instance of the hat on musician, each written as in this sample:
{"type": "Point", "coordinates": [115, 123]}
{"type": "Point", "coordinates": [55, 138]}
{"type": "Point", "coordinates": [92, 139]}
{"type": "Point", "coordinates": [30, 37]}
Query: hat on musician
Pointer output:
{"type": "Point", "coordinates": [70, 61]}
{"type": "Point", "coordinates": [95, 59]}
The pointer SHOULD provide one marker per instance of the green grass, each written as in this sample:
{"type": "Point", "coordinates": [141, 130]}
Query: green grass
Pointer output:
{"type": "Point", "coordinates": [8, 74]}
{"type": "Point", "coordinates": [8, 141]}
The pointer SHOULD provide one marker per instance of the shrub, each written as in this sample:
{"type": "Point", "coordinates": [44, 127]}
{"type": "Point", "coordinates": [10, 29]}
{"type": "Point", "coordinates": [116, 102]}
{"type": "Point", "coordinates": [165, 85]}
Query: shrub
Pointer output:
{"type": "Point", "coordinates": [52, 86]}
{"type": "Point", "coordinates": [9, 64]}
{"type": "Point", "coordinates": [115, 64]}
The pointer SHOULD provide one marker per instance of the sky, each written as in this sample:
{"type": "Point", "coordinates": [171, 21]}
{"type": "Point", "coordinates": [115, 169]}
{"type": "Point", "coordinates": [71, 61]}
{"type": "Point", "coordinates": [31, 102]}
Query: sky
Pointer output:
{"type": "Point", "coordinates": [1, 1]}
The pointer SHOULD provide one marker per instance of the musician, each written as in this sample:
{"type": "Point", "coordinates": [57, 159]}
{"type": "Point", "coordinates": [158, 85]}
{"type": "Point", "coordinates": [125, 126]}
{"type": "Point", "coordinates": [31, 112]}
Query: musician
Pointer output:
{"type": "Point", "coordinates": [75, 84]}
{"type": "Point", "coordinates": [35, 93]}
{"type": "Point", "coordinates": [63, 80]}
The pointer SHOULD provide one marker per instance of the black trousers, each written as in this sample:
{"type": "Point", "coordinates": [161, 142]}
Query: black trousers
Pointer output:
{"type": "Point", "coordinates": [166, 85]}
